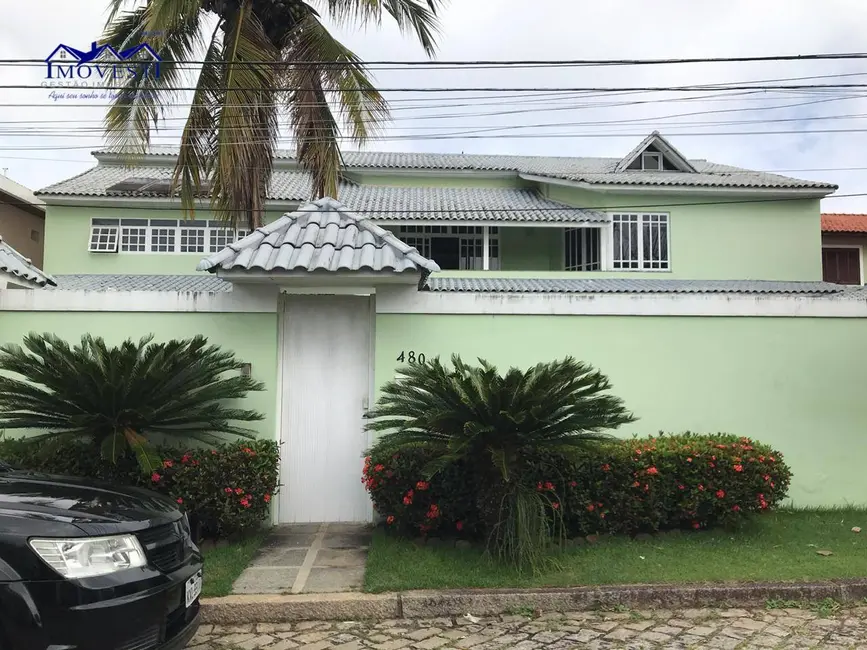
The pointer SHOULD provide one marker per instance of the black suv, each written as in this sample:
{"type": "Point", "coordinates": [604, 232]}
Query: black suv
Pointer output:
{"type": "Point", "coordinates": [91, 566]}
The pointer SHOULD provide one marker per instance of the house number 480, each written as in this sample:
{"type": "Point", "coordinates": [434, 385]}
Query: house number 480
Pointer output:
{"type": "Point", "coordinates": [411, 357]}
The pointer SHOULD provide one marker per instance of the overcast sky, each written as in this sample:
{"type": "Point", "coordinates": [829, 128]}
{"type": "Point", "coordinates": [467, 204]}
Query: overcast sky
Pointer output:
{"type": "Point", "coordinates": [44, 140]}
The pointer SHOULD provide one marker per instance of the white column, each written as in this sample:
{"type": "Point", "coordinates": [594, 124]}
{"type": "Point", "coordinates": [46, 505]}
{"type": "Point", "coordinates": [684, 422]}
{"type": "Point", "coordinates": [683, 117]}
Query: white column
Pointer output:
{"type": "Point", "coordinates": [486, 253]}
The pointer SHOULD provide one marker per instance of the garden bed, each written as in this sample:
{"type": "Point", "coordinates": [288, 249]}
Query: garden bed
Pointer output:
{"type": "Point", "coordinates": [776, 546]}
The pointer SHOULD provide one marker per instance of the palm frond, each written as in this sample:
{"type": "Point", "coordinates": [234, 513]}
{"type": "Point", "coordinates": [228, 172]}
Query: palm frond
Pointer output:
{"type": "Point", "coordinates": [123, 393]}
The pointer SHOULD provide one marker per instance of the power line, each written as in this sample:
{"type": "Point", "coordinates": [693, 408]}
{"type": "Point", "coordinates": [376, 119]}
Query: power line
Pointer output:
{"type": "Point", "coordinates": [476, 136]}
{"type": "Point", "coordinates": [831, 56]}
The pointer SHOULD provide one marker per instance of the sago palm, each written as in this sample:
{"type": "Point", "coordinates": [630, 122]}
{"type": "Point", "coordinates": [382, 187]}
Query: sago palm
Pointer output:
{"type": "Point", "coordinates": [500, 425]}
{"type": "Point", "coordinates": [267, 64]}
{"type": "Point", "coordinates": [118, 396]}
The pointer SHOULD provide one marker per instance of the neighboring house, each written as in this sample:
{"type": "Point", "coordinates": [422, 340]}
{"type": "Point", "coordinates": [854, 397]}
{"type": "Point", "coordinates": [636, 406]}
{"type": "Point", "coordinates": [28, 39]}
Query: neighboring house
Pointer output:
{"type": "Point", "coordinates": [22, 220]}
{"type": "Point", "coordinates": [844, 239]}
{"type": "Point", "coordinates": [695, 286]}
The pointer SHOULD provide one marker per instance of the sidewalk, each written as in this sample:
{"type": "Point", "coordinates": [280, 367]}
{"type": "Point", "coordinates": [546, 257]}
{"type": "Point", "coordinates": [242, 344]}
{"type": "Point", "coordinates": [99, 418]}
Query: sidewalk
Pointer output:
{"type": "Point", "coordinates": [721, 629]}
{"type": "Point", "coordinates": [308, 558]}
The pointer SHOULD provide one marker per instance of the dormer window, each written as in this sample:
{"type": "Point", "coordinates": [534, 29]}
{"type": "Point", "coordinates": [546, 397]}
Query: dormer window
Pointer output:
{"type": "Point", "coordinates": [651, 161]}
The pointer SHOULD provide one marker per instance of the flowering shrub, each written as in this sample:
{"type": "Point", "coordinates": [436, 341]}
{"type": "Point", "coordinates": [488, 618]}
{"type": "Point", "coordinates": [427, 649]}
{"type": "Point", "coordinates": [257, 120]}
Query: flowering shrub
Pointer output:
{"type": "Point", "coordinates": [624, 486]}
{"type": "Point", "coordinates": [226, 490]}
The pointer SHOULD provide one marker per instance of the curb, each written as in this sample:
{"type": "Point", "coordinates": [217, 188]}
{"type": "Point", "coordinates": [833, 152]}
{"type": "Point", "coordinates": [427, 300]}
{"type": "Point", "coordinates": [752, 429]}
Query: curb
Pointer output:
{"type": "Point", "coordinates": [235, 610]}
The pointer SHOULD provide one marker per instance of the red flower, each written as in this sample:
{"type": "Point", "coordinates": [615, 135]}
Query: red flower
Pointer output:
{"type": "Point", "coordinates": [695, 524]}
{"type": "Point", "coordinates": [606, 467]}
{"type": "Point", "coordinates": [689, 460]}
{"type": "Point", "coordinates": [155, 477]}
{"type": "Point", "coordinates": [167, 463]}
{"type": "Point", "coordinates": [712, 465]}
{"type": "Point", "coordinates": [267, 498]}
{"type": "Point", "coordinates": [736, 508]}
{"type": "Point", "coordinates": [681, 487]}
{"type": "Point", "coordinates": [573, 484]}
{"type": "Point", "coordinates": [227, 490]}
{"type": "Point", "coordinates": [245, 503]}
{"type": "Point", "coordinates": [738, 468]}
{"type": "Point", "coordinates": [591, 508]}
{"type": "Point", "coordinates": [700, 487]}
{"type": "Point", "coordinates": [185, 459]}
{"type": "Point", "coordinates": [549, 485]}
{"type": "Point", "coordinates": [248, 497]}
{"type": "Point", "coordinates": [389, 520]}
{"type": "Point", "coordinates": [652, 471]}
{"type": "Point", "coordinates": [378, 468]}
{"type": "Point", "coordinates": [636, 484]}
{"type": "Point", "coordinates": [459, 525]}
{"type": "Point", "coordinates": [239, 490]}
{"type": "Point", "coordinates": [213, 452]}
{"type": "Point", "coordinates": [767, 477]}
{"type": "Point", "coordinates": [555, 505]}
{"type": "Point", "coordinates": [180, 500]}
{"type": "Point", "coordinates": [720, 494]}
{"type": "Point", "coordinates": [539, 486]}
{"type": "Point", "coordinates": [761, 459]}
{"type": "Point", "coordinates": [772, 459]}
{"type": "Point", "coordinates": [421, 486]}
{"type": "Point", "coordinates": [638, 451]}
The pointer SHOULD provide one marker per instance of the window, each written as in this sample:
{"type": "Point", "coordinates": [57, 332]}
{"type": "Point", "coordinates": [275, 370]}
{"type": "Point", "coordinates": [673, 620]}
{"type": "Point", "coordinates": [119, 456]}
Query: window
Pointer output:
{"type": "Point", "coordinates": [160, 236]}
{"type": "Point", "coordinates": [651, 161]}
{"type": "Point", "coordinates": [163, 235]}
{"type": "Point", "coordinates": [192, 238]}
{"type": "Point", "coordinates": [454, 247]}
{"type": "Point", "coordinates": [583, 249]}
{"type": "Point", "coordinates": [640, 242]}
{"type": "Point", "coordinates": [841, 265]}
{"type": "Point", "coordinates": [103, 236]}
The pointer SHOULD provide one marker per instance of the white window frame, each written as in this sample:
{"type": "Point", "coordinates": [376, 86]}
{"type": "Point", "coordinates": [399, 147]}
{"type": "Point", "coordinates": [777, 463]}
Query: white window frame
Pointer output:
{"type": "Point", "coordinates": [640, 228]}
{"type": "Point", "coordinates": [655, 154]}
{"type": "Point", "coordinates": [112, 233]}
{"type": "Point", "coordinates": [603, 249]}
{"type": "Point", "coordinates": [125, 231]}
{"type": "Point", "coordinates": [420, 236]}
{"type": "Point", "coordinates": [118, 230]}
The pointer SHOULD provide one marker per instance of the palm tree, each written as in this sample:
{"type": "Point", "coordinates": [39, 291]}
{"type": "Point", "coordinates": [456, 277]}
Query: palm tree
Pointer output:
{"type": "Point", "coordinates": [118, 396]}
{"type": "Point", "coordinates": [501, 427]}
{"type": "Point", "coordinates": [263, 60]}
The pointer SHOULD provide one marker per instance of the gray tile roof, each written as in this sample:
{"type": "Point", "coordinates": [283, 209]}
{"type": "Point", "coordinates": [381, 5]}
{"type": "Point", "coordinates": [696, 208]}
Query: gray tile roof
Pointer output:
{"type": "Point", "coordinates": [627, 285]}
{"type": "Point", "coordinates": [379, 202]}
{"type": "Point", "coordinates": [206, 283]}
{"type": "Point", "coordinates": [580, 169]}
{"type": "Point", "coordinates": [20, 269]}
{"type": "Point", "coordinates": [200, 283]}
{"type": "Point", "coordinates": [320, 236]}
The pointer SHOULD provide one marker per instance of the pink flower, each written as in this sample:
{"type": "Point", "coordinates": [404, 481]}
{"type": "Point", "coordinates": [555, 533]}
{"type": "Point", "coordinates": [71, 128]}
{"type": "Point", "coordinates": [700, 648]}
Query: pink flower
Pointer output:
{"type": "Point", "coordinates": [652, 471]}
{"type": "Point", "coordinates": [239, 490]}
{"type": "Point", "coordinates": [245, 503]}
{"type": "Point", "coordinates": [573, 484]}
{"type": "Point", "coordinates": [185, 459]}
{"type": "Point", "coordinates": [227, 490]}
{"type": "Point", "coordinates": [738, 468]}
{"type": "Point", "coordinates": [168, 463]}
{"type": "Point", "coordinates": [389, 520]}
{"type": "Point", "coordinates": [689, 460]}
{"type": "Point", "coordinates": [213, 452]}
{"type": "Point", "coordinates": [155, 477]}
{"type": "Point", "coordinates": [267, 498]}
{"type": "Point", "coordinates": [378, 468]}
{"type": "Point", "coordinates": [555, 505]}
{"type": "Point", "coordinates": [459, 525]}
{"type": "Point", "coordinates": [720, 494]}
{"type": "Point", "coordinates": [736, 508]}
{"type": "Point", "coordinates": [180, 500]}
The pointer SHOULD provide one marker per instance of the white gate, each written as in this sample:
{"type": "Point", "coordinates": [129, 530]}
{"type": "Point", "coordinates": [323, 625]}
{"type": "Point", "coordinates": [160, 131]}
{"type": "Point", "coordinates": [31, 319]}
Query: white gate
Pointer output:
{"type": "Point", "coordinates": [326, 372]}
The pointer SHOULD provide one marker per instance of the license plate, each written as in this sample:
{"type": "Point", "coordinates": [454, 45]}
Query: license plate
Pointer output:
{"type": "Point", "coordinates": [193, 588]}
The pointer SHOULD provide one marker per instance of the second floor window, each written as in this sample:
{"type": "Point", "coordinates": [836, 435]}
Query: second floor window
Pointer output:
{"type": "Point", "coordinates": [454, 247]}
{"type": "Point", "coordinates": [639, 242]}
{"type": "Point", "coordinates": [160, 236]}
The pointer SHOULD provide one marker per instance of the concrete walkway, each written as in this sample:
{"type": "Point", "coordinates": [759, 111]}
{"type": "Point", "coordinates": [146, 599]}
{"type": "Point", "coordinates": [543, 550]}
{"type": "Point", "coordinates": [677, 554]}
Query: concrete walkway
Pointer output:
{"type": "Point", "coordinates": [308, 558]}
{"type": "Point", "coordinates": [715, 629]}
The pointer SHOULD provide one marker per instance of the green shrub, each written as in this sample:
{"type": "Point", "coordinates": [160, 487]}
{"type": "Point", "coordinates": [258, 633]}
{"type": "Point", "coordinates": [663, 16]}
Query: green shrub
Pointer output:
{"type": "Point", "coordinates": [494, 427]}
{"type": "Point", "coordinates": [624, 486]}
{"type": "Point", "coordinates": [116, 397]}
{"type": "Point", "coordinates": [226, 489]}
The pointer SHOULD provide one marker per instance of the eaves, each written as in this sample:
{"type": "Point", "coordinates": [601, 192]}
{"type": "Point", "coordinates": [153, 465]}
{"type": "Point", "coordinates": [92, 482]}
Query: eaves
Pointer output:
{"type": "Point", "coordinates": [734, 192]}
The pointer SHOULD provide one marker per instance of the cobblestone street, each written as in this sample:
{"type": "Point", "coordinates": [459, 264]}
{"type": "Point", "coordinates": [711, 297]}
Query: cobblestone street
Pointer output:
{"type": "Point", "coordinates": [723, 629]}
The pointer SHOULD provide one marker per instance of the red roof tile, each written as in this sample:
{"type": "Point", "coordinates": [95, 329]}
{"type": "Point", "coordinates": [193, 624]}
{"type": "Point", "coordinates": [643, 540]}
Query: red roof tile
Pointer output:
{"type": "Point", "coordinates": [844, 223]}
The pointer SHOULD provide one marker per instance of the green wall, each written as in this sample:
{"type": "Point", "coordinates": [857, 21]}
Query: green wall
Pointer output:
{"type": "Point", "coordinates": [753, 239]}
{"type": "Point", "coordinates": [792, 382]}
{"type": "Point", "coordinates": [67, 236]}
{"type": "Point", "coordinates": [252, 337]}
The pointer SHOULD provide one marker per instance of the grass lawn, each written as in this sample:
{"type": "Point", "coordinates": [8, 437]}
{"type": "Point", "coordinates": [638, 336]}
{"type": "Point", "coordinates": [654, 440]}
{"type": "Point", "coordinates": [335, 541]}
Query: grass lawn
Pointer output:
{"type": "Point", "coordinates": [223, 565]}
{"type": "Point", "coordinates": [777, 546]}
